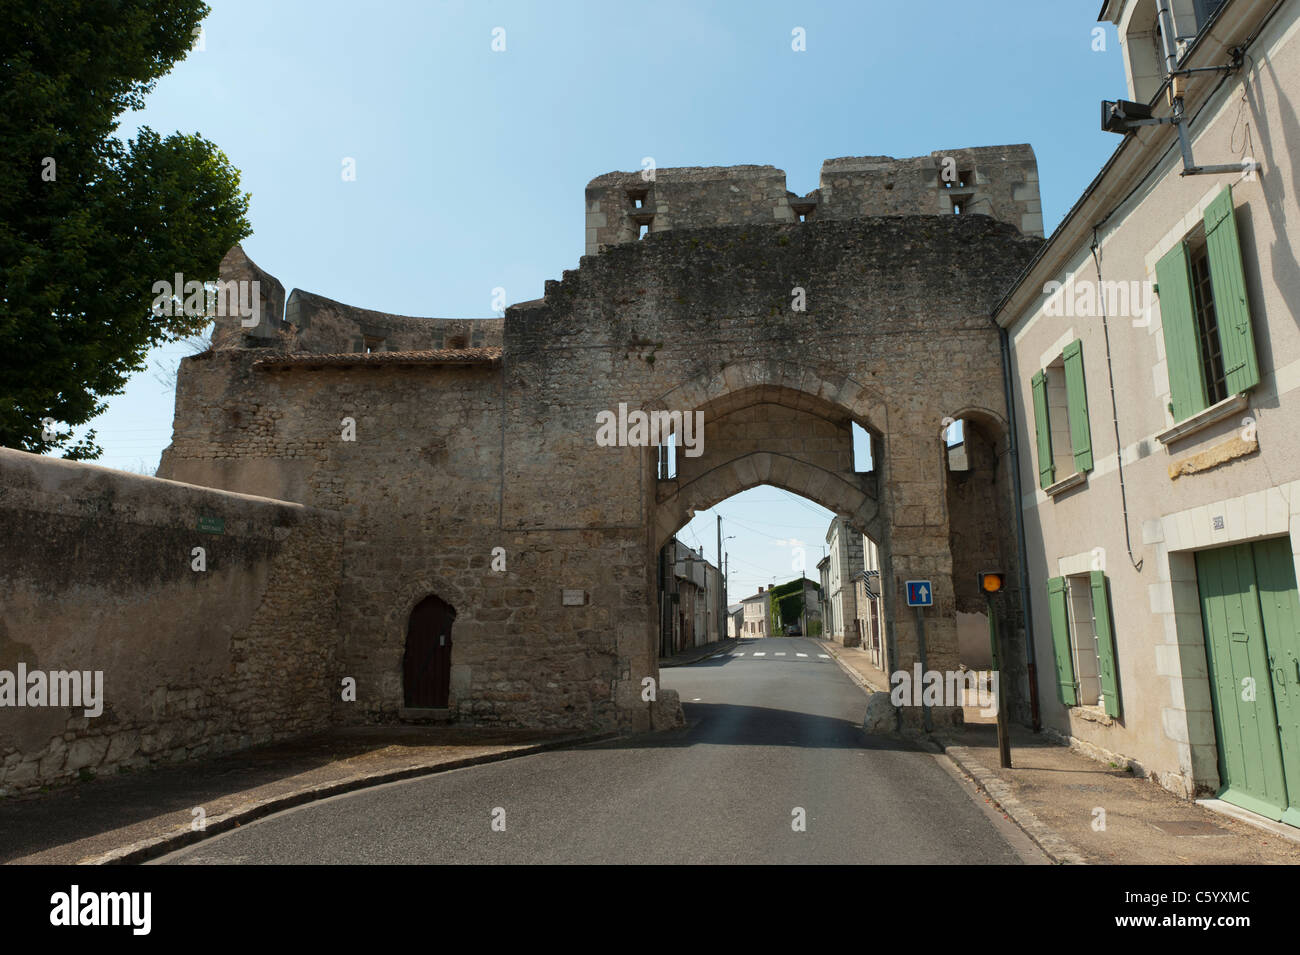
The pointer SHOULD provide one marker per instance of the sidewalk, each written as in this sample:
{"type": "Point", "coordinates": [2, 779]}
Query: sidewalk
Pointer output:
{"type": "Point", "coordinates": [858, 662]}
{"type": "Point", "coordinates": [696, 654]}
{"type": "Point", "coordinates": [138, 816]}
{"type": "Point", "coordinates": [1057, 797]}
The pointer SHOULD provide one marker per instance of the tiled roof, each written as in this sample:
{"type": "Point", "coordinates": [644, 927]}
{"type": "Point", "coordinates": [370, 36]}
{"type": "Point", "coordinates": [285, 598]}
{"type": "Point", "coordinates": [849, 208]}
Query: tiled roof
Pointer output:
{"type": "Point", "coordinates": [437, 356]}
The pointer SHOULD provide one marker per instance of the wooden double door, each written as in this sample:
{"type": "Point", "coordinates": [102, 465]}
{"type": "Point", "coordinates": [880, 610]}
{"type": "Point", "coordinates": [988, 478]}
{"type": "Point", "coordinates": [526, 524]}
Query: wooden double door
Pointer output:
{"type": "Point", "coordinates": [1251, 613]}
{"type": "Point", "coordinates": [426, 668]}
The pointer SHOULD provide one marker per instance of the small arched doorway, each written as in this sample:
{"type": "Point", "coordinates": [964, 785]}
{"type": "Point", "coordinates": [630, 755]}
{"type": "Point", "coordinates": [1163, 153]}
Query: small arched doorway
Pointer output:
{"type": "Point", "coordinates": [426, 667]}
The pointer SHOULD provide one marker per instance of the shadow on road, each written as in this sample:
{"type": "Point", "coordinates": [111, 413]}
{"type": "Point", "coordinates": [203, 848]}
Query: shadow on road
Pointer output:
{"type": "Point", "coordinates": [729, 724]}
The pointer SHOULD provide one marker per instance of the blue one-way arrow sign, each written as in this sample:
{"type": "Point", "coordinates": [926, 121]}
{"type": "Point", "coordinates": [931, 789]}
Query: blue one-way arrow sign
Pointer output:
{"type": "Point", "coordinates": [920, 593]}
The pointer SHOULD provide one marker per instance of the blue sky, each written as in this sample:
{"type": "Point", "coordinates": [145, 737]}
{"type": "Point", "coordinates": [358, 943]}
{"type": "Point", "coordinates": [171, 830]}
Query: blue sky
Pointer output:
{"type": "Point", "coordinates": [471, 163]}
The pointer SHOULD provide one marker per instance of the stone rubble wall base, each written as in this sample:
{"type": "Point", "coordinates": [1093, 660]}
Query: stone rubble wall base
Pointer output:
{"type": "Point", "coordinates": [71, 757]}
{"type": "Point", "coordinates": [941, 717]}
{"type": "Point", "coordinates": [1176, 783]}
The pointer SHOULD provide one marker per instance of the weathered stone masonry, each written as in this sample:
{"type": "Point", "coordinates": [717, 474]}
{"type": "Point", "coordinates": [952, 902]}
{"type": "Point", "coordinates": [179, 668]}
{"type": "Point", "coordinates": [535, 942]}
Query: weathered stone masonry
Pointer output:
{"type": "Point", "coordinates": [996, 181]}
{"type": "Point", "coordinates": [463, 450]}
{"type": "Point", "coordinates": [96, 574]}
{"type": "Point", "coordinates": [473, 435]}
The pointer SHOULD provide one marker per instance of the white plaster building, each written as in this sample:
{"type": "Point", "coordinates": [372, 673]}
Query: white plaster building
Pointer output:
{"type": "Point", "coordinates": [1162, 525]}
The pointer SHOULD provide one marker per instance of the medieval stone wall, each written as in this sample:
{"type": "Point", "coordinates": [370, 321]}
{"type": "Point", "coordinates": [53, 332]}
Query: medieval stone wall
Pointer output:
{"type": "Point", "coordinates": [771, 427]}
{"type": "Point", "coordinates": [982, 525]}
{"type": "Point", "coordinates": [97, 574]}
{"type": "Point", "coordinates": [311, 323]}
{"type": "Point", "coordinates": [895, 336]}
{"type": "Point", "coordinates": [996, 181]}
{"type": "Point", "coordinates": [419, 492]}
{"type": "Point", "coordinates": [780, 335]}
{"type": "Point", "coordinates": [324, 326]}
{"type": "Point", "coordinates": [619, 204]}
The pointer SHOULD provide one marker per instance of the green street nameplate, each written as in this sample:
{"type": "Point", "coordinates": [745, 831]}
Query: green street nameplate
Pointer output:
{"type": "Point", "coordinates": [212, 525]}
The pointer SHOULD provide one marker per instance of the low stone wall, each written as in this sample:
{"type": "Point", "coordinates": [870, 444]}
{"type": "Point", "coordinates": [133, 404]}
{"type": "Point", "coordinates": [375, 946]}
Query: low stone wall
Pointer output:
{"type": "Point", "coordinates": [99, 574]}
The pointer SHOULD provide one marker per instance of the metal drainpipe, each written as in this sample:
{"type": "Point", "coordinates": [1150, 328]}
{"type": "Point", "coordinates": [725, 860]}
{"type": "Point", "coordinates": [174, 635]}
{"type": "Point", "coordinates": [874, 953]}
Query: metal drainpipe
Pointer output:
{"type": "Point", "coordinates": [1026, 605]}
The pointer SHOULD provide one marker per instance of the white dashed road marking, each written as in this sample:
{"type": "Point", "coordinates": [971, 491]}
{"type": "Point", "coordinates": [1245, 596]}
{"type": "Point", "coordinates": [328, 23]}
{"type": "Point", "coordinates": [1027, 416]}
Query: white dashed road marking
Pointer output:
{"type": "Point", "coordinates": [779, 653]}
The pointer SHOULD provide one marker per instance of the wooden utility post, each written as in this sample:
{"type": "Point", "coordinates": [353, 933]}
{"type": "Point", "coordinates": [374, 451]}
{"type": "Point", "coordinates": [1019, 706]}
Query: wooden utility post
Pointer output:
{"type": "Point", "coordinates": [991, 583]}
{"type": "Point", "coordinates": [722, 594]}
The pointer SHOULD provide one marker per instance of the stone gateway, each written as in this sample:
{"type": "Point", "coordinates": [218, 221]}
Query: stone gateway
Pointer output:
{"type": "Point", "coordinates": [516, 433]}
{"type": "Point", "coordinates": [456, 519]}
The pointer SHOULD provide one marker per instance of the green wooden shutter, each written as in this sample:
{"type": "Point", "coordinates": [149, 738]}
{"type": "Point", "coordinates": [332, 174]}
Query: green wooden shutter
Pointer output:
{"type": "Point", "coordinates": [1105, 641]}
{"type": "Point", "coordinates": [1182, 343]}
{"type": "Point", "coordinates": [1066, 687]}
{"type": "Point", "coordinates": [1231, 307]}
{"type": "Point", "coordinates": [1046, 468]}
{"type": "Point", "coordinates": [1076, 391]}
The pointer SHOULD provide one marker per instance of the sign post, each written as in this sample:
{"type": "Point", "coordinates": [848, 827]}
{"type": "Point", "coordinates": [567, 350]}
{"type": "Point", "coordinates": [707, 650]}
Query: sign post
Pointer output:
{"type": "Point", "coordinates": [920, 594]}
{"type": "Point", "coordinates": [991, 583]}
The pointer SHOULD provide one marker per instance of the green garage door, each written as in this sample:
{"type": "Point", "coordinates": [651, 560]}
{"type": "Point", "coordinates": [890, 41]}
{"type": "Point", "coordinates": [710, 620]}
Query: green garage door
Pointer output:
{"type": "Point", "coordinates": [1251, 612]}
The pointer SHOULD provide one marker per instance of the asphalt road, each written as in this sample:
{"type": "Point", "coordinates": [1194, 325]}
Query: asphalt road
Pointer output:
{"type": "Point", "coordinates": [773, 738]}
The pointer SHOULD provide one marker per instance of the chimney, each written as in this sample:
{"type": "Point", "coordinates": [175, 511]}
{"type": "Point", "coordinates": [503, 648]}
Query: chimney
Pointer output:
{"type": "Point", "coordinates": [760, 588]}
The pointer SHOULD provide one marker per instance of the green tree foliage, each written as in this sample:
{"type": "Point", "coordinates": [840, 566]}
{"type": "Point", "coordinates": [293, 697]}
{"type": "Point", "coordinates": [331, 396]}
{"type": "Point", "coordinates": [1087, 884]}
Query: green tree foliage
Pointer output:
{"type": "Point", "coordinates": [89, 221]}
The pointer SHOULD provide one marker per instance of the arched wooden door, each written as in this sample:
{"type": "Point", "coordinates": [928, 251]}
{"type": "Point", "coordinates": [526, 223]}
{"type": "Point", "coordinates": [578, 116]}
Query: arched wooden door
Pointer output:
{"type": "Point", "coordinates": [426, 668]}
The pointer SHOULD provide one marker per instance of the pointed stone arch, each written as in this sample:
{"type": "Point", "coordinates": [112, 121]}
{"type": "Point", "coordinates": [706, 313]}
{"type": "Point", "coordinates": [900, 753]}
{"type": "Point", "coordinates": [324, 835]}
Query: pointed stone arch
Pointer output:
{"type": "Point", "coordinates": [992, 423]}
{"type": "Point", "coordinates": [764, 379]}
{"type": "Point", "coordinates": [410, 593]}
{"type": "Point", "coordinates": [823, 487]}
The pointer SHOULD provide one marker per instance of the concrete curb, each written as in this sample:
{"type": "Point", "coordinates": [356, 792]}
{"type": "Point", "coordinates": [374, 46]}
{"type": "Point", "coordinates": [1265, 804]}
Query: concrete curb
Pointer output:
{"type": "Point", "coordinates": [146, 849]}
{"type": "Point", "coordinates": [1279, 829]}
{"type": "Point", "coordinates": [1053, 845]}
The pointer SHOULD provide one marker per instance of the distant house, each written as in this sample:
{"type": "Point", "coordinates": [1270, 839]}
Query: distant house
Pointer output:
{"type": "Point", "coordinates": [756, 620]}
{"type": "Point", "coordinates": [871, 612]}
{"type": "Point", "coordinates": [735, 620]}
{"type": "Point", "coordinates": [690, 592]}
{"type": "Point", "coordinates": [827, 609]}
{"type": "Point", "coordinates": [843, 562]}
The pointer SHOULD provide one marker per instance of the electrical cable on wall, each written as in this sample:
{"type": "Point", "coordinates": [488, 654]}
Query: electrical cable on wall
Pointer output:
{"type": "Point", "coordinates": [1114, 408]}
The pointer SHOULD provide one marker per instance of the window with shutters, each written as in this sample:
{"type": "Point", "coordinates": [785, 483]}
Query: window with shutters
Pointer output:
{"type": "Point", "coordinates": [1058, 417]}
{"type": "Point", "coordinates": [1083, 641]}
{"type": "Point", "coordinates": [1207, 328]}
{"type": "Point", "coordinates": [1062, 428]}
{"type": "Point", "coordinates": [1205, 314]}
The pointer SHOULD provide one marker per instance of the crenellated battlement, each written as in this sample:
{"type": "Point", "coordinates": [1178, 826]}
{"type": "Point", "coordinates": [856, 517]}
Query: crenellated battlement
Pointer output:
{"type": "Point", "coordinates": [997, 181]}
